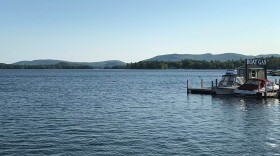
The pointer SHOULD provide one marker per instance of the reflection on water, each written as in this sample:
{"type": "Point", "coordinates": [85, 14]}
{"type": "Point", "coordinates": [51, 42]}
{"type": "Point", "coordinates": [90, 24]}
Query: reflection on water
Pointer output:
{"type": "Point", "coordinates": [257, 121]}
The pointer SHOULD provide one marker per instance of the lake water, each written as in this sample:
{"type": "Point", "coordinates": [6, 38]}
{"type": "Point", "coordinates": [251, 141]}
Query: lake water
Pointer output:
{"type": "Point", "coordinates": [130, 112]}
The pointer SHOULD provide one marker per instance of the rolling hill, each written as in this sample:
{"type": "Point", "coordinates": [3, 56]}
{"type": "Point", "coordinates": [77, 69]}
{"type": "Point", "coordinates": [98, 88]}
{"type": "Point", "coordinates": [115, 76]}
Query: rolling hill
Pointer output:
{"type": "Point", "coordinates": [207, 57]}
{"type": "Point", "coordinates": [102, 64]}
{"type": "Point", "coordinates": [168, 57]}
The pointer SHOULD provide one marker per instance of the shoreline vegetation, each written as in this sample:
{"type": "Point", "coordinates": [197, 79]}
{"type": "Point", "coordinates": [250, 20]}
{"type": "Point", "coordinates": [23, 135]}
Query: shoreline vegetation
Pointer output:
{"type": "Point", "coordinates": [273, 63]}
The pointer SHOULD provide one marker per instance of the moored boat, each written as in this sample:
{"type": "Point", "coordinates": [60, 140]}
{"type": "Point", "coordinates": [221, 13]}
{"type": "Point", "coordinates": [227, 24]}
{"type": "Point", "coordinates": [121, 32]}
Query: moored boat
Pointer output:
{"type": "Point", "coordinates": [229, 82]}
{"type": "Point", "coordinates": [274, 73]}
{"type": "Point", "coordinates": [256, 87]}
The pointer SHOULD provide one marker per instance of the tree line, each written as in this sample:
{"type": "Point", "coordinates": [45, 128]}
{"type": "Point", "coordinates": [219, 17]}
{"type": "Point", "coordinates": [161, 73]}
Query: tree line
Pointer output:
{"type": "Point", "coordinates": [272, 63]}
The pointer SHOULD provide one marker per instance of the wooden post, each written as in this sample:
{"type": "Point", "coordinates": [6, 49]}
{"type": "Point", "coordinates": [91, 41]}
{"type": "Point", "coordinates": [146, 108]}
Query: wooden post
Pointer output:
{"type": "Point", "coordinates": [201, 83]}
{"type": "Point", "coordinates": [246, 70]}
{"type": "Point", "coordinates": [258, 86]}
{"type": "Point", "coordinates": [265, 72]}
{"type": "Point", "coordinates": [275, 81]}
{"type": "Point", "coordinates": [265, 90]}
{"type": "Point", "coordinates": [216, 82]}
{"type": "Point", "coordinates": [188, 91]}
{"type": "Point", "coordinates": [212, 85]}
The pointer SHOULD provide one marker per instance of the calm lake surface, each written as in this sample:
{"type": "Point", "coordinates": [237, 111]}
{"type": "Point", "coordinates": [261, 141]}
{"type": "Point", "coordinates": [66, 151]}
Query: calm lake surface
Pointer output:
{"type": "Point", "coordinates": [130, 112]}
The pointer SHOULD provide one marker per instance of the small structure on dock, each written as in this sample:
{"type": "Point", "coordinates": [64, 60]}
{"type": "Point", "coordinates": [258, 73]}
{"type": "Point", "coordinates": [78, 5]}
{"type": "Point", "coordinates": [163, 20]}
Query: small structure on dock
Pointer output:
{"type": "Point", "coordinates": [254, 68]}
{"type": "Point", "coordinates": [253, 71]}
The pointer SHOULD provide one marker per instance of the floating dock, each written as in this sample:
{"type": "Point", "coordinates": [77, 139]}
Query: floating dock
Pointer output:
{"type": "Point", "coordinates": [202, 89]}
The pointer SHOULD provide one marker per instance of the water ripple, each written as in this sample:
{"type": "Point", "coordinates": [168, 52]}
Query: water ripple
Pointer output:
{"type": "Point", "coordinates": [129, 112]}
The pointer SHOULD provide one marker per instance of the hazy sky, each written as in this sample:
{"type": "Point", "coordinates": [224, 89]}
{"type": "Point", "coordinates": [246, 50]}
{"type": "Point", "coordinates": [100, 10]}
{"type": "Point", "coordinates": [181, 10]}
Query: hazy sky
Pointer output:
{"type": "Point", "coordinates": [133, 30]}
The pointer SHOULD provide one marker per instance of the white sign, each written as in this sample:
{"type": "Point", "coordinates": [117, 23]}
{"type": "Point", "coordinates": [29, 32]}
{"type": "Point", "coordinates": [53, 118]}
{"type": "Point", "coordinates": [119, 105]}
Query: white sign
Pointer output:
{"type": "Point", "coordinates": [260, 62]}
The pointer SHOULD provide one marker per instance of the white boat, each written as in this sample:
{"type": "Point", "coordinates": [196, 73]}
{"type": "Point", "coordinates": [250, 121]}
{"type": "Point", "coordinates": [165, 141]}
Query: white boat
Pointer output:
{"type": "Point", "coordinates": [253, 87]}
{"type": "Point", "coordinates": [229, 82]}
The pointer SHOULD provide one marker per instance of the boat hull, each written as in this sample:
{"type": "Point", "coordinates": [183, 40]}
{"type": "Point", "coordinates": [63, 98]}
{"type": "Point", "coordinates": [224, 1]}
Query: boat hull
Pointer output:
{"type": "Point", "coordinates": [255, 93]}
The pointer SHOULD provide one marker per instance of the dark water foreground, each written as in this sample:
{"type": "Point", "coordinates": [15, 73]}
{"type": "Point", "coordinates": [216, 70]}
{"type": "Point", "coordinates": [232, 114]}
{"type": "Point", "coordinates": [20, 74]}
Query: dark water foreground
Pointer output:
{"type": "Point", "coordinates": [129, 112]}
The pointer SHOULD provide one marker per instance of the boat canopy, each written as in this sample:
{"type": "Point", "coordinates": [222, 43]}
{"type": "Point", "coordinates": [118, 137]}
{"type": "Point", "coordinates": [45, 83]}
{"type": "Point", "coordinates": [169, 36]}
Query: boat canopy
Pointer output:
{"type": "Point", "coordinates": [253, 84]}
{"type": "Point", "coordinates": [231, 80]}
{"type": "Point", "coordinates": [231, 72]}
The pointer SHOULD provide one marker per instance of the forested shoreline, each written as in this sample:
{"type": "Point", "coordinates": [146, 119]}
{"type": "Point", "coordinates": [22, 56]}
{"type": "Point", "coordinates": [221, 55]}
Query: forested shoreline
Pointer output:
{"type": "Point", "coordinates": [272, 63]}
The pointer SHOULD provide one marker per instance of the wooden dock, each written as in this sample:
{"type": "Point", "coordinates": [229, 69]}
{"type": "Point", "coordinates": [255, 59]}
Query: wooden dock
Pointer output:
{"type": "Point", "coordinates": [205, 90]}
{"type": "Point", "coordinates": [202, 89]}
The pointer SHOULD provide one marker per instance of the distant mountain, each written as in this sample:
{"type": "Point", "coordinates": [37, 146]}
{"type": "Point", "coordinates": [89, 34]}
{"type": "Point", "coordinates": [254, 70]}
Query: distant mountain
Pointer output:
{"type": "Point", "coordinates": [207, 57]}
{"type": "Point", "coordinates": [39, 62]}
{"type": "Point", "coordinates": [102, 64]}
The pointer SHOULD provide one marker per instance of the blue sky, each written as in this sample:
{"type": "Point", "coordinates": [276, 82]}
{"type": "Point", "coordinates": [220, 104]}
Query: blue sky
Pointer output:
{"type": "Point", "coordinates": [133, 30]}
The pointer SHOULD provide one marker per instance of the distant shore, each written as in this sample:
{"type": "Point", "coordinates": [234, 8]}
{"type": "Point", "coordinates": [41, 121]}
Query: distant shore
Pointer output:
{"type": "Point", "coordinates": [273, 63]}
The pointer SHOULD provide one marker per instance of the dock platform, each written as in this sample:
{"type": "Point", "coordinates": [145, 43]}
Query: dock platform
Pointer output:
{"type": "Point", "coordinates": [205, 90]}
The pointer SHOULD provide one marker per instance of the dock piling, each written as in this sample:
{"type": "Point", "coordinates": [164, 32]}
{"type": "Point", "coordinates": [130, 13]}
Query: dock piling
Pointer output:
{"type": "Point", "coordinates": [201, 83]}
{"type": "Point", "coordinates": [265, 90]}
{"type": "Point", "coordinates": [188, 91]}
{"type": "Point", "coordinates": [216, 82]}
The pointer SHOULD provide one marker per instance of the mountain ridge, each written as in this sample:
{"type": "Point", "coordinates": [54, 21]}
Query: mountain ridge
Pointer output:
{"type": "Point", "coordinates": [207, 57]}
{"type": "Point", "coordinates": [101, 64]}
{"type": "Point", "coordinates": [166, 57]}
